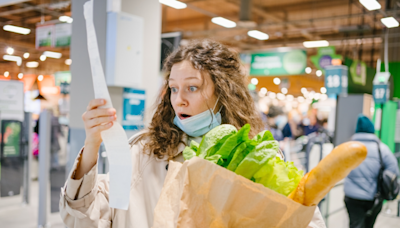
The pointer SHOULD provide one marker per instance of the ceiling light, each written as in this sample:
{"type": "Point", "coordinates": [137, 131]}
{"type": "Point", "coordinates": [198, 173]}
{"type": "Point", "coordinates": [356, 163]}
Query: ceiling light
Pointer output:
{"type": "Point", "coordinates": [173, 4]}
{"type": "Point", "coordinates": [254, 81]}
{"type": "Point", "coordinates": [272, 95]}
{"type": "Point", "coordinates": [318, 73]}
{"type": "Point", "coordinates": [65, 19]}
{"type": "Point", "coordinates": [10, 50]}
{"type": "Point", "coordinates": [6, 74]}
{"type": "Point", "coordinates": [42, 58]}
{"type": "Point", "coordinates": [223, 22]}
{"type": "Point", "coordinates": [308, 70]}
{"type": "Point", "coordinates": [303, 90]}
{"type": "Point", "coordinates": [68, 62]}
{"type": "Point", "coordinates": [277, 81]}
{"type": "Point", "coordinates": [20, 75]}
{"type": "Point", "coordinates": [13, 58]}
{"type": "Point", "coordinates": [40, 78]}
{"type": "Point", "coordinates": [52, 54]}
{"type": "Point", "coordinates": [370, 4]}
{"type": "Point", "coordinates": [261, 94]}
{"type": "Point", "coordinates": [318, 43]}
{"type": "Point", "coordinates": [323, 90]}
{"type": "Point", "coordinates": [258, 35]}
{"type": "Point", "coordinates": [390, 22]}
{"type": "Point", "coordinates": [301, 99]}
{"type": "Point", "coordinates": [263, 90]}
{"type": "Point", "coordinates": [284, 90]}
{"type": "Point", "coordinates": [32, 64]}
{"type": "Point", "coordinates": [26, 55]}
{"type": "Point", "coordinates": [317, 96]}
{"type": "Point", "coordinates": [16, 29]}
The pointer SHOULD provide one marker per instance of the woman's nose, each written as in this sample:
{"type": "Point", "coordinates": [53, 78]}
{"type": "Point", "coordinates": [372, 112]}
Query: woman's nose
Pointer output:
{"type": "Point", "coordinates": [180, 100]}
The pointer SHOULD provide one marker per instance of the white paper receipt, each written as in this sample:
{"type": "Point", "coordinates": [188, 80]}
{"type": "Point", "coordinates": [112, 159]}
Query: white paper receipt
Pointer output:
{"type": "Point", "coordinates": [115, 139]}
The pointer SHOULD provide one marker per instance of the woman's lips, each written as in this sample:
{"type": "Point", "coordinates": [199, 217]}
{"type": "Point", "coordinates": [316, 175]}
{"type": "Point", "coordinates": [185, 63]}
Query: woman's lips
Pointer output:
{"type": "Point", "coordinates": [183, 116]}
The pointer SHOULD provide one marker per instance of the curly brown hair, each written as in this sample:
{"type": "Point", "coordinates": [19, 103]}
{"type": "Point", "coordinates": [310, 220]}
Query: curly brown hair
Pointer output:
{"type": "Point", "coordinates": [224, 67]}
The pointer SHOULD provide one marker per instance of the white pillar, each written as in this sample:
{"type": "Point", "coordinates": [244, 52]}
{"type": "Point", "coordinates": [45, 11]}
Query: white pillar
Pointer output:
{"type": "Point", "coordinates": [81, 82]}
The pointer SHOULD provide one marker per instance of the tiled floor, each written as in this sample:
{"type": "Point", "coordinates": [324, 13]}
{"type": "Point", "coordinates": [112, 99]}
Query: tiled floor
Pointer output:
{"type": "Point", "coordinates": [14, 215]}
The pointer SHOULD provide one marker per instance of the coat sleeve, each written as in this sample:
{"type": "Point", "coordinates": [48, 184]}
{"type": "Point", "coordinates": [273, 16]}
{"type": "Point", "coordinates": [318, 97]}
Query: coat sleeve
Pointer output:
{"type": "Point", "coordinates": [317, 220]}
{"type": "Point", "coordinates": [389, 160]}
{"type": "Point", "coordinates": [84, 202]}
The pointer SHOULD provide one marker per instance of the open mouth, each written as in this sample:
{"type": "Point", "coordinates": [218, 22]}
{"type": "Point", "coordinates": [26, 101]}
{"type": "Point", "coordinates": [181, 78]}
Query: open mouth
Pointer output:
{"type": "Point", "coordinates": [183, 116]}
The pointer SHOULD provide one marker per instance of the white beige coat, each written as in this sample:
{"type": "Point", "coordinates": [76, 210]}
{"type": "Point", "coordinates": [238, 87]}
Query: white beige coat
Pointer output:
{"type": "Point", "coordinates": [84, 202]}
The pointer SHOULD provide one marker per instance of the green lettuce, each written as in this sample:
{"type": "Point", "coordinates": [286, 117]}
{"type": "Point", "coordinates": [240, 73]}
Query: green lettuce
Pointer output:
{"type": "Point", "coordinates": [282, 177]}
{"type": "Point", "coordinates": [257, 158]}
{"type": "Point", "coordinates": [214, 139]}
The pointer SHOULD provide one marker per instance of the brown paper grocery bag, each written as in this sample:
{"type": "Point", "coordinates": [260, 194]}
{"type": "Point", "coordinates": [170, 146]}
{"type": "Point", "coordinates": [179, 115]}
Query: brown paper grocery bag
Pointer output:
{"type": "Point", "coordinates": [199, 193]}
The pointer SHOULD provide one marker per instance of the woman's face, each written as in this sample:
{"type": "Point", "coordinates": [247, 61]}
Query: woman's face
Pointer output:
{"type": "Point", "coordinates": [191, 93]}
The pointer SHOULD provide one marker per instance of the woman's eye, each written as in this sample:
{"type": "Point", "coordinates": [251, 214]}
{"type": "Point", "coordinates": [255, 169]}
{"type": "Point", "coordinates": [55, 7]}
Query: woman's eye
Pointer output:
{"type": "Point", "coordinates": [192, 88]}
{"type": "Point", "coordinates": [174, 90]}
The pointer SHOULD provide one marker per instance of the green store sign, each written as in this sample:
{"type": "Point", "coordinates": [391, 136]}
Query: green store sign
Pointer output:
{"type": "Point", "coordinates": [291, 62]}
{"type": "Point", "coordinates": [324, 57]}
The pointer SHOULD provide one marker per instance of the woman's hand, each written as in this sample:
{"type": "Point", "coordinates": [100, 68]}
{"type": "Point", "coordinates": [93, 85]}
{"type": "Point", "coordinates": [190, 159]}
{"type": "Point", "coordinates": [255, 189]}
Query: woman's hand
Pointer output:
{"type": "Point", "coordinates": [97, 120]}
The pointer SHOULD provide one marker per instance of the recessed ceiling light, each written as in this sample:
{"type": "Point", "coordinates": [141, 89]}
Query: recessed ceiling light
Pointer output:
{"type": "Point", "coordinates": [390, 22]}
{"type": "Point", "coordinates": [13, 58]}
{"type": "Point", "coordinates": [68, 62]}
{"type": "Point", "coordinates": [314, 44]}
{"type": "Point", "coordinates": [308, 70]}
{"type": "Point", "coordinates": [254, 81]}
{"type": "Point", "coordinates": [20, 75]}
{"type": "Point", "coordinates": [258, 35]}
{"type": "Point", "coordinates": [52, 54]}
{"type": "Point", "coordinates": [277, 81]}
{"type": "Point", "coordinates": [40, 78]}
{"type": "Point", "coordinates": [174, 4]}
{"type": "Point", "coordinates": [32, 64]}
{"type": "Point", "coordinates": [6, 74]}
{"type": "Point", "coordinates": [16, 29]}
{"type": "Point", "coordinates": [223, 22]}
{"type": "Point", "coordinates": [26, 55]}
{"type": "Point", "coordinates": [10, 50]}
{"type": "Point", "coordinates": [318, 73]}
{"type": "Point", "coordinates": [370, 4]}
{"type": "Point", "coordinates": [42, 58]}
{"type": "Point", "coordinates": [66, 19]}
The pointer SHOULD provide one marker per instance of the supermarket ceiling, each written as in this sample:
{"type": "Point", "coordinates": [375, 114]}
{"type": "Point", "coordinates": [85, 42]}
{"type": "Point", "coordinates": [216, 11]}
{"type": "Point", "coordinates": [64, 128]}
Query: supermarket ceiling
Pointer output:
{"type": "Point", "coordinates": [348, 25]}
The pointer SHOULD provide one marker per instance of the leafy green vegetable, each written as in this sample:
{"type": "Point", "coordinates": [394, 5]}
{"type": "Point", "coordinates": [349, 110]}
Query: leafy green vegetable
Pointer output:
{"type": "Point", "coordinates": [194, 145]}
{"type": "Point", "coordinates": [214, 139]}
{"type": "Point", "coordinates": [216, 158]}
{"type": "Point", "coordinates": [188, 153]}
{"type": "Point", "coordinates": [234, 140]}
{"type": "Point", "coordinates": [240, 153]}
{"type": "Point", "coordinates": [257, 158]}
{"type": "Point", "coordinates": [263, 136]}
{"type": "Point", "coordinates": [282, 177]}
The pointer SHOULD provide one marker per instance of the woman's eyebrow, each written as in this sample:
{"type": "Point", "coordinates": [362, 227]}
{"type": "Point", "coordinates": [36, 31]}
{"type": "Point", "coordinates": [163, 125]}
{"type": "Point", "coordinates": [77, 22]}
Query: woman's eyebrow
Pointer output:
{"type": "Point", "coordinates": [171, 79]}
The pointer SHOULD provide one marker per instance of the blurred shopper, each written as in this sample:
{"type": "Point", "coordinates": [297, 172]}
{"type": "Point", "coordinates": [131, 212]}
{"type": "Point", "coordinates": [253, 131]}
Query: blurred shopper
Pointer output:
{"type": "Point", "coordinates": [310, 123]}
{"type": "Point", "coordinates": [204, 87]}
{"type": "Point", "coordinates": [274, 120]}
{"type": "Point", "coordinates": [360, 185]}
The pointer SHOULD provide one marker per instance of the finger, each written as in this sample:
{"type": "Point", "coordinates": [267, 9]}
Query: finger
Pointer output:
{"type": "Point", "coordinates": [100, 112]}
{"type": "Point", "coordinates": [102, 127]}
{"type": "Point", "coordinates": [99, 121]}
{"type": "Point", "coordinates": [95, 103]}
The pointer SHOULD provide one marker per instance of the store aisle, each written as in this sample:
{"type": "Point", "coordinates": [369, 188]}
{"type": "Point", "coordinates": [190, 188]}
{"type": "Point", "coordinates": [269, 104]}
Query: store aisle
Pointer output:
{"type": "Point", "coordinates": [15, 215]}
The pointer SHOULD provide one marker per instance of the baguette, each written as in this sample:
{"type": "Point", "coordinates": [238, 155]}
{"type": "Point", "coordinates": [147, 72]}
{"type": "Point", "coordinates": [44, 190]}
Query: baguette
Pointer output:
{"type": "Point", "coordinates": [337, 165]}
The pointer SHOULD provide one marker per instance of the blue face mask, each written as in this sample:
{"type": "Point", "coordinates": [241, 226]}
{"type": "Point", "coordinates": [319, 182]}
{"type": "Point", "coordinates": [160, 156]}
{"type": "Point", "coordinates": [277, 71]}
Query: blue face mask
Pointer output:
{"type": "Point", "coordinates": [199, 124]}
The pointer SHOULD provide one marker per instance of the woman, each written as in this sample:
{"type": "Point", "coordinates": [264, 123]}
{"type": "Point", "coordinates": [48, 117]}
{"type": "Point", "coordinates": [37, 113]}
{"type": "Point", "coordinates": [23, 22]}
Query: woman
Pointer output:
{"type": "Point", "coordinates": [204, 88]}
{"type": "Point", "coordinates": [360, 185]}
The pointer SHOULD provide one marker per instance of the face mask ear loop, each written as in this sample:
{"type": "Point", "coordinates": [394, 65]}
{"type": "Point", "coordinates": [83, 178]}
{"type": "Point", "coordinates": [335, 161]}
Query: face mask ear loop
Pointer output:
{"type": "Point", "coordinates": [215, 104]}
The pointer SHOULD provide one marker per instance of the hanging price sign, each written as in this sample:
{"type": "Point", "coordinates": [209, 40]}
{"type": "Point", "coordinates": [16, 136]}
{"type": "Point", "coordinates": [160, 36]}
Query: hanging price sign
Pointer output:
{"type": "Point", "coordinates": [336, 79]}
{"type": "Point", "coordinates": [380, 93]}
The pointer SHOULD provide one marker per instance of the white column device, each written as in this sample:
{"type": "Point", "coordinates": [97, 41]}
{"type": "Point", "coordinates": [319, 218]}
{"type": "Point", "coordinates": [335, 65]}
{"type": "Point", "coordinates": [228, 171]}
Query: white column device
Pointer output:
{"type": "Point", "coordinates": [124, 50]}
